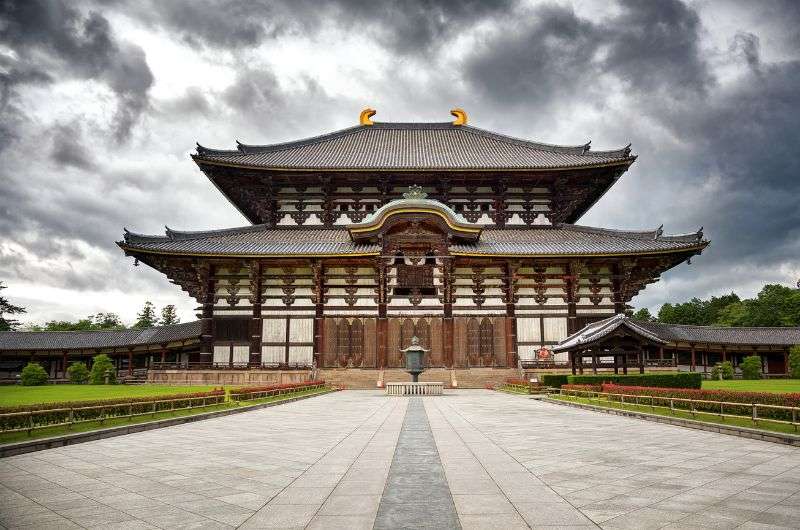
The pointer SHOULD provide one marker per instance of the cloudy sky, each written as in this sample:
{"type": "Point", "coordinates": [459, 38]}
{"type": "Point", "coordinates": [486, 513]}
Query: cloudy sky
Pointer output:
{"type": "Point", "coordinates": [102, 102]}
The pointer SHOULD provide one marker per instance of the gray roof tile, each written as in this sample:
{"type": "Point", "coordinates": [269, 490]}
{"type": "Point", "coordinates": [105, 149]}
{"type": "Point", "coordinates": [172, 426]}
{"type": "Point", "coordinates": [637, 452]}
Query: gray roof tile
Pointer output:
{"type": "Point", "coordinates": [559, 240]}
{"type": "Point", "coordinates": [60, 340]}
{"type": "Point", "coordinates": [399, 146]}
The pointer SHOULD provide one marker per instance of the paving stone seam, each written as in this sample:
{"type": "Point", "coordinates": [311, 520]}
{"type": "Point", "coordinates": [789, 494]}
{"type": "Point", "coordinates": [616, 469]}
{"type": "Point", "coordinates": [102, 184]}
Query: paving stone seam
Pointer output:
{"type": "Point", "coordinates": [342, 439]}
{"type": "Point", "coordinates": [457, 413]}
{"type": "Point", "coordinates": [377, 429]}
{"type": "Point", "coordinates": [449, 423]}
{"type": "Point", "coordinates": [182, 508]}
{"type": "Point", "coordinates": [699, 487]}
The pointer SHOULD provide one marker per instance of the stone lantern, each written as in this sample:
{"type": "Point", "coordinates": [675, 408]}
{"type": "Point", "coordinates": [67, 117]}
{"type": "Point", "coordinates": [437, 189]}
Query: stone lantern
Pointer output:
{"type": "Point", "coordinates": [415, 355]}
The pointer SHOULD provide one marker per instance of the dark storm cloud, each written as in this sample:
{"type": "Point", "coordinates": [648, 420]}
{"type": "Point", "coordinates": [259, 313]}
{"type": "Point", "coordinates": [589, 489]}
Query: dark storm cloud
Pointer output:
{"type": "Point", "coordinates": [68, 148]}
{"type": "Point", "coordinates": [555, 53]}
{"type": "Point", "coordinates": [408, 27]}
{"type": "Point", "coordinates": [53, 40]}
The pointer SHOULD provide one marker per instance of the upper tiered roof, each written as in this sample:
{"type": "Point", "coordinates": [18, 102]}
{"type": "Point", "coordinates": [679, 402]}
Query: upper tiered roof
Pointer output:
{"type": "Point", "coordinates": [413, 146]}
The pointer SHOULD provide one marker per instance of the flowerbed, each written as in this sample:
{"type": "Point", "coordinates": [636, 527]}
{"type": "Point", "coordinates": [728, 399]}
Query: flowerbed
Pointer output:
{"type": "Point", "coordinates": [31, 416]}
{"type": "Point", "coordinates": [585, 388]}
{"type": "Point", "coordinates": [729, 396]}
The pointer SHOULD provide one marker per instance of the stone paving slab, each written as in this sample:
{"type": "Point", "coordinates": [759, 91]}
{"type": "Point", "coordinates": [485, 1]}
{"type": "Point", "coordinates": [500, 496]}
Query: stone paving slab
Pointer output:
{"type": "Point", "coordinates": [505, 461]}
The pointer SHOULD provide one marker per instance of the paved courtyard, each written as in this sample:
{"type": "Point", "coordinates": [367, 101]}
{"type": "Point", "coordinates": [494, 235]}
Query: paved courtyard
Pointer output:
{"type": "Point", "coordinates": [470, 459]}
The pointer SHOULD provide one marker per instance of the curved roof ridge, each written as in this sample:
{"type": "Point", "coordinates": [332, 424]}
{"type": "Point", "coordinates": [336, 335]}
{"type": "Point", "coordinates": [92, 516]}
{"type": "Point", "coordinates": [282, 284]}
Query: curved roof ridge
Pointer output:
{"type": "Point", "coordinates": [281, 146]}
{"type": "Point", "coordinates": [134, 237]}
{"type": "Point", "coordinates": [202, 151]}
{"type": "Point", "coordinates": [199, 234]}
{"type": "Point", "coordinates": [541, 146]}
{"type": "Point", "coordinates": [644, 234]}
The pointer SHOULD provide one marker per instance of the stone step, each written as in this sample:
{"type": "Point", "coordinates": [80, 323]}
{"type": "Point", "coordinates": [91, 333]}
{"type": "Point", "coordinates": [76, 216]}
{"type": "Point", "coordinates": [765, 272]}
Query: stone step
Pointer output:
{"type": "Point", "coordinates": [356, 378]}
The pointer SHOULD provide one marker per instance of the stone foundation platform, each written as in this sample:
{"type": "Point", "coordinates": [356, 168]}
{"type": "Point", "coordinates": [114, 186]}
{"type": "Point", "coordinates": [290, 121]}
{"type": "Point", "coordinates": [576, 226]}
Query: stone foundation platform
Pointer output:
{"type": "Point", "coordinates": [227, 377]}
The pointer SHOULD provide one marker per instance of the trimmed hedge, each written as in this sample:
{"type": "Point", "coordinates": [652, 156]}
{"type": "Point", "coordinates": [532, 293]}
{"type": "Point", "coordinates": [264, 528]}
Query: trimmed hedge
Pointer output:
{"type": "Point", "coordinates": [731, 396]}
{"type": "Point", "coordinates": [278, 389]}
{"type": "Point", "coordinates": [554, 380]}
{"type": "Point", "coordinates": [587, 388]}
{"type": "Point", "coordinates": [55, 413]}
{"type": "Point", "coordinates": [665, 380]}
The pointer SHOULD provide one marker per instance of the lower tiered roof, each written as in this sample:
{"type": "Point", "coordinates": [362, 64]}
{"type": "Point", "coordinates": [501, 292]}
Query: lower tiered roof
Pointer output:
{"type": "Point", "coordinates": [545, 241]}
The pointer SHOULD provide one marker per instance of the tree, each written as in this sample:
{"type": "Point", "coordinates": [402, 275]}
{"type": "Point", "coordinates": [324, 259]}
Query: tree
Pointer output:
{"type": "Point", "coordinates": [33, 375]}
{"type": "Point", "coordinates": [775, 305]}
{"type": "Point", "coordinates": [794, 362]}
{"type": "Point", "coordinates": [90, 323]}
{"type": "Point", "coordinates": [643, 314]}
{"type": "Point", "coordinates": [146, 318]}
{"type": "Point", "coordinates": [169, 315]}
{"type": "Point", "coordinates": [78, 373]}
{"type": "Point", "coordinates": [100, 365]}
{"type": "Point", "coordinates": [7, 308]}
{"type": "Point", "coordinates": [751, 367]}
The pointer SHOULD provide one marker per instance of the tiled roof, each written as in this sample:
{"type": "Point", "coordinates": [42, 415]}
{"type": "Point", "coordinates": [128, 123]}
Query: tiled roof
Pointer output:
{"type": "Point", "coordinates": [784, 336]}
{"type": "Point", "coordinates": [602, 328]}
{"type": "Point", "coordinates": [672, 333]}
{"type": "Point", "coordinates": [67, 340]}
{"type": "Point", "coordinates": [559, 240]}
{"type": "Point", "coordinates": [408, 146]}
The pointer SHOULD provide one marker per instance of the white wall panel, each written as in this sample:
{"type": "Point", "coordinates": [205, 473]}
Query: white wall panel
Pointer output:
{"type": "Point", "coordinates": [528, 330]}
{"type": "Point", "coordinates": [555, 329]}
{"type": "Point", "coordinates": [301, 330]}
{"type": "Point", "coordinates": [527, 353]}
{"type": "Point", "coordinates": [274, 330]}
{"type": "Point", "coordinates": [222, 354]}
{"type": "Point", "coordinates": [273, 354]}
{"type": "Point", "coordinates": [301, 354]}
{"type": "Point", "coordinates": [241, 354]}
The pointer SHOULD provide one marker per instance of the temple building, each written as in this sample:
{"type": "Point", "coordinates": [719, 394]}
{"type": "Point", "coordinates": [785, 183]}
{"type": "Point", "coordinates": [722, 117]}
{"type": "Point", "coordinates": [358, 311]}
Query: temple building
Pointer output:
{"type": "Point", "coordinates": [364, 237]}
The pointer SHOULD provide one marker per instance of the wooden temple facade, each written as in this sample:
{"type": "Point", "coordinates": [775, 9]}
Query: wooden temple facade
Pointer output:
{"type": "Point", "coordinates": [365, 237]}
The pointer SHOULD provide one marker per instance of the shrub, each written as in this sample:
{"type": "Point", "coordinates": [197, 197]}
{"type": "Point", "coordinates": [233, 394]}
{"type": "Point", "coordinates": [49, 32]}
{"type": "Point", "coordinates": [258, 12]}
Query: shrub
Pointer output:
{"type": "Point", "coordinates": [751, 367]}
{"type": "Point", "coordinates": [33, 375]}
{"type": "Point", "coordinates": [724, 369]}
{"type": "Point", "coordinates": [554, 380]}
{"type": "Point", "coordinates": [100, 365]}
{"type": "Point", "coordinates": [278, 388]}
{"type": "Point", "coordinates": [730, 396]}
{"type": "Point", "coordinates": [78, 373]}
{"type": "Point", "coordinates": [667, 380]}
{"type": "Point", "coordinates": [794, 362]}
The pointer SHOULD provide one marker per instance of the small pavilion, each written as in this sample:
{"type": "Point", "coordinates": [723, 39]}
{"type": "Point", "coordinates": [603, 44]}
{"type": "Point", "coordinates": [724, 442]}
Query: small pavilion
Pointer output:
{"type": "Point", "coordinates": [617, 337]}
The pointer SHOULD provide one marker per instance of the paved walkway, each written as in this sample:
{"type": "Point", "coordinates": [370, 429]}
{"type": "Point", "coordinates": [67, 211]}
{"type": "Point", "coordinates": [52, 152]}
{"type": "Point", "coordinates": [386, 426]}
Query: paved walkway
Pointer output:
{"type": "Point", "coordinates": [474, 459]}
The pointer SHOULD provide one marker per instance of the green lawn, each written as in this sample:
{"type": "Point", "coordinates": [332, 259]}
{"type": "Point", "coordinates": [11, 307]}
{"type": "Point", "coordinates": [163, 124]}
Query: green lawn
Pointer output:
{"type": "Point", "coordinates": [758, 385]}
{"type": "Point", "coordinates": [12, 395]}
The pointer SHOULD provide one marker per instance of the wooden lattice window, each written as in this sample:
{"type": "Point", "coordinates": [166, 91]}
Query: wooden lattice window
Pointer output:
{"type": "Point", "coordinates": [232, 329]}
{"type": "Point", "coordinates": [349, 341]}
{"type": "Point", "coordinates": [473, 337]}
{"type": "Point", "coordinates": [418, 278]}
{"type": "Point", "coordinates": [356, 338]}
{"type": "Point", "coordinates": [487, 337]}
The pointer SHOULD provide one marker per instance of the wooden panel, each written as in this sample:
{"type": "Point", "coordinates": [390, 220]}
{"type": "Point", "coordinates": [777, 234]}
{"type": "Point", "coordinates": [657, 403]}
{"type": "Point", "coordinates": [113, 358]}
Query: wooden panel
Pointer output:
{"type": "Point", "coordinates": [437, 349]}
{"type": "Point", "coordinates": [342, 341]}
{"type": "Point", "coordinates": [499, 341]}
{"type": "Point", "coordinates": [232, 329]}
{"type": "Point", "coordinates": [329, 353]}
{"type": "Point", "coordinates": [370, 343]}
{"type": "Point", "coordinates": [407, 330]}
{"type": "Point", "coordinates": [393, 357]}
{"type": "Point", "coordinates": [356, 342]}
{"type": "Point", "coordinates": [460, 342]}
{"type": "Point", "coordinates": [473, 341]}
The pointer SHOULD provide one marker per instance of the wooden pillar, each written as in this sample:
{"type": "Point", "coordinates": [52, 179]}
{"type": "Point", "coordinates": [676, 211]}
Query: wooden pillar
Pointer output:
{"type": "Point", "coordinates": [256, 322]}
{"type": "Point", "coordinates": [616, 364]}
{"type": "Point", "coordinates": [64, 364]}
{"type": "Point", "coordinates": [580, 363]}
{"type": "Point", "coordinates": [572, 362]}
{"type": "Point", "coordinates": [511, 319]}
{"type": "Point", "coordinates": [625, 363]}
{"type": "Point", "coordinates": [319, 312]}
{"type": "Point", "coordinates": [594, 363]}
{"type": "Point", "coordinates": [382, 325]}
{"type": "Point", "coordinates": [130, 362]}
{"type": "Point", "coordinates": [230, 356]}
{"type": "Point", "coordinates": [641, 362]}
{"type": "Point", "coordinates": [724, 353]}
{"type": "Point", "coordinates": [205, 277]}
{"type": "Point", "coordinates": [571, 288]}
{"type": "Point", "coordinates": [163, 354]}
{"type": "Point", "coordinates": [705, 360]}
{"type": "Point", "coordinates": [693, 364]}
{"type": "Point", "coordinates": [661, 353]}
{"type": "Point", "coordinates": [786, 361]}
